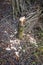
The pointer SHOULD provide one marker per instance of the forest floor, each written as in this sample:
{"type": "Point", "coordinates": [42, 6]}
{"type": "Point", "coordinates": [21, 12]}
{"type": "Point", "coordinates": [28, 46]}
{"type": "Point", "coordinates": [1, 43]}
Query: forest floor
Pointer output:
{"type": "Point", "coordinates": [22, 52]}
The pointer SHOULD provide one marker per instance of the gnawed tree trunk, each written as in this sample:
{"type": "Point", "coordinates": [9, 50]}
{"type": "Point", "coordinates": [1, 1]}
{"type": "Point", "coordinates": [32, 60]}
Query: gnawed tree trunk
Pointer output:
{"type": "Point", "coordinates": [21, 27]}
